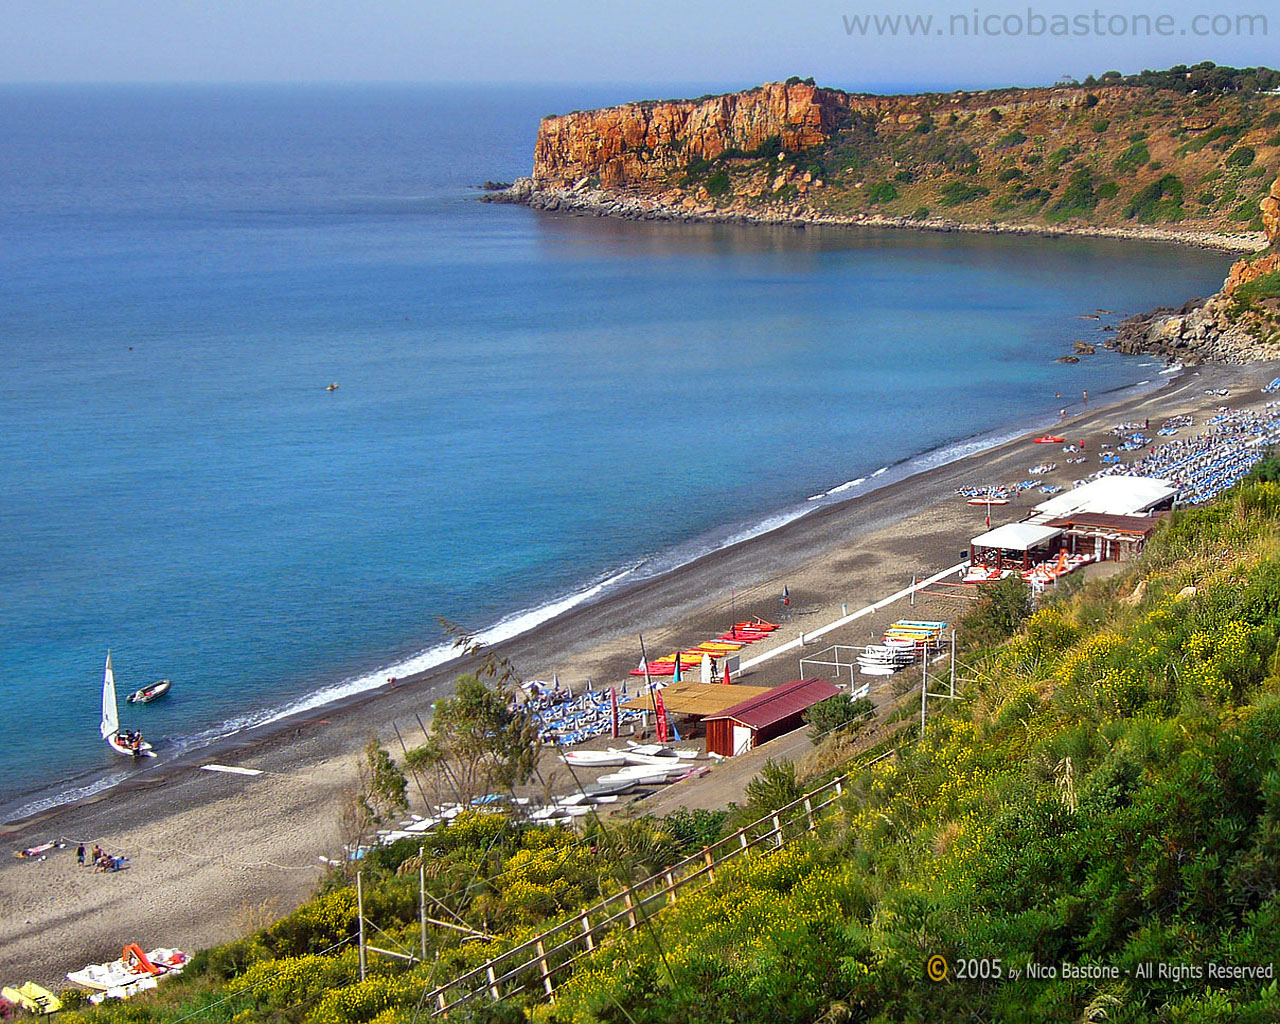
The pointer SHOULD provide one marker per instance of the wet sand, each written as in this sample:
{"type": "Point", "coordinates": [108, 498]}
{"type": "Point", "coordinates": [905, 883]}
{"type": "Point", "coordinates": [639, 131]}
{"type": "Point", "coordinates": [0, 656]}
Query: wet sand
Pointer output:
{"type": "Point", "coordinates": [214, 854]}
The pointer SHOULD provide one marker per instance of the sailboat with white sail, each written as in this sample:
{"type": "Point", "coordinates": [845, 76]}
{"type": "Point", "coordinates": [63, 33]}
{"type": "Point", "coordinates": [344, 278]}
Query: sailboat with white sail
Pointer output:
{"type": "Point", "coordinates": [129, 743]}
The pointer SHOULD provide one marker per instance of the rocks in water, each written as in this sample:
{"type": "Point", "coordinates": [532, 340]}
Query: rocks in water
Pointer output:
{"type": "Point", "coordinates": [494, 186]}
{"type": "Point", "coordinates": [1083, 348]}
{"type": "Point", "coordinates": [1067, 359]}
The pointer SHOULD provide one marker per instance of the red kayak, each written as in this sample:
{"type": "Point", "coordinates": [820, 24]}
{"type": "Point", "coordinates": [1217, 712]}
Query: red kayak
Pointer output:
{"type": "Point", "coordinates": [1050, 440]}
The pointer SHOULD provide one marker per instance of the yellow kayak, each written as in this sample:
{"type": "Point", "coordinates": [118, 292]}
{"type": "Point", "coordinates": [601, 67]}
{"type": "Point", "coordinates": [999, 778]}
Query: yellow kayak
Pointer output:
{"type": "Point", "coordinates": [32, 997]}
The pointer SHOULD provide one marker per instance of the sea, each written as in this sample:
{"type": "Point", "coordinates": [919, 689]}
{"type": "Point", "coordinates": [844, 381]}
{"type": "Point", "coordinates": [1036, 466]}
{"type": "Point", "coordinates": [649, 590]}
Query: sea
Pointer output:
{"type": "Point", "coordinates": [532, 409]}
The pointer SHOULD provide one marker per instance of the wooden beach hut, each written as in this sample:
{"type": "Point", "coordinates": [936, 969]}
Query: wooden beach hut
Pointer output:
{"type": "Point", "coordinates": [766, 716]}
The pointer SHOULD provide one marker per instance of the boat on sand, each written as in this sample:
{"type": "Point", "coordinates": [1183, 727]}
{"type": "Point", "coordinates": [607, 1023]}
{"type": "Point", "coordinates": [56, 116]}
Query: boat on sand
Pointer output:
{"type": "Point", "coordinates": [32, 997]}
{"type": "Point", "coordinates": [134, 972]}
{"type": "Point", "coordinates": [126, 742]}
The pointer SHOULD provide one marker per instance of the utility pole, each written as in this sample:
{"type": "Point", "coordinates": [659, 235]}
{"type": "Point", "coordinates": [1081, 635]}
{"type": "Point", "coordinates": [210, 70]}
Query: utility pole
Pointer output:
{"type": "Point", "coordinates": [924, 686]}
{"type": "Point", "coordinates": [422, 903]}
{"type": "Point", "coordinates": [953, 663]}
{"type": "Point", "coordinates": [360, 914]}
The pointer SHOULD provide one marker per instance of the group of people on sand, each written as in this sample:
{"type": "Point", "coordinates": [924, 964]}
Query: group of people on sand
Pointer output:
{"type": "Point", "coordinates": [99, 859]}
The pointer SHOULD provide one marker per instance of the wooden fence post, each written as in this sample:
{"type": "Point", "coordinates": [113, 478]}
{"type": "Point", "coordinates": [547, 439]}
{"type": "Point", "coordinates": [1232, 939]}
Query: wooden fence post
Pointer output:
{"type": "Point", "coordinates": [671, 887]}
{"type": "Point", "coordinates": [631, 913]}
{"type": "Point", "coordinates": [542, 963]}
{"type": "Point", "coordinates": [808, 810]}
{"type": "Point", "coordinates": [742, 838]}
{"type": "Point", "coordinates": [777, 832]}
{"type": "Point", "coordinates": [586, 931]}
{"type": "Point", "coordinates": [710, 862]}
{"type": "Point", "coordinates": [493, 984]}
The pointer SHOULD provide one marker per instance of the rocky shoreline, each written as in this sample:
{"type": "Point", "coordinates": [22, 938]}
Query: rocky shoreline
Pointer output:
{"type": "Point", "coordinates": [596, 202]}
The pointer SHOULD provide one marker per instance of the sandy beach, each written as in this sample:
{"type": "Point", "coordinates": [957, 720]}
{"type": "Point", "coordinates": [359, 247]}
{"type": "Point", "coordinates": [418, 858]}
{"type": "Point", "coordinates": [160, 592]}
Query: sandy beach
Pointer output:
{"type": "Point", "coordinates": [215, 854]}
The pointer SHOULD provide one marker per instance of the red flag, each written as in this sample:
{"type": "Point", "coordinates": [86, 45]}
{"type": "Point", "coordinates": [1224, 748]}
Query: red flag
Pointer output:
{"type": "Point", "coordinates": [613, 702]}
{"type": "Point", "coordinates": [662, 716]}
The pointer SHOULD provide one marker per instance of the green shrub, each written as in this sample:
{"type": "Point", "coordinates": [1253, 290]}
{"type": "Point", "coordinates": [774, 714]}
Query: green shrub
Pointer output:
{"type": "Point", "coordinates": [835, 713]}
{"type": "Point", "coordinates": [955, 193]}
{"type": "Point", "coordinates": [1159, 201]}
{"type": "Point", "coordinates": [1078, 199]}
{"type": "Point", "coordinates": [1242, 157]}
{"type": "Point", "coordinates": [1101, 125]}
{"type": "Point", "coordinates": [718, 183]}
{"type": "Point", "coordinates": [1108, 190]}
{"type": "Point", "coordinates": [882, 192]}
{"type": "Point", "coordinates": [1133, 158]}
{"type": "Point", "coordinates": [1003, 607]}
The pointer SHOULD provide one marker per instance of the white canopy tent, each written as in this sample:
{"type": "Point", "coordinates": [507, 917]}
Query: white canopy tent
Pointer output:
{"type": "Point", "coordinates": [1111, 496]}
{"type": "Point", "coordinates": [1012, 545]}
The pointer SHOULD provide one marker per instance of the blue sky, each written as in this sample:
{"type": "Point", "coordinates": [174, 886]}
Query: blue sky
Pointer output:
{"type": "Point", "coordinates": [653, 41]}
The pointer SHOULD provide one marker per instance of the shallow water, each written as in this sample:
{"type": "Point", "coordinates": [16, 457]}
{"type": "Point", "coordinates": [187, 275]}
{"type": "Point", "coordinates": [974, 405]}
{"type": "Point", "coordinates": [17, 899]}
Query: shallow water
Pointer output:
{"type": "Point", "coordinates": [529, 405]}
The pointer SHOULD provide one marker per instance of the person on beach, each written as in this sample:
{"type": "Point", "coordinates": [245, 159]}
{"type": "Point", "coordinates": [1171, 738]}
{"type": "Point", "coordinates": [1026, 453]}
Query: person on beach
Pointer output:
{"type": "Point", "coordinates": [97, 853]}
{"type": "Point", "coordinates": [1086, 398]}
{"type": "Point", "coordinates": [80, 854]}
{"type": "Point", "coordinates": [1062, 414]}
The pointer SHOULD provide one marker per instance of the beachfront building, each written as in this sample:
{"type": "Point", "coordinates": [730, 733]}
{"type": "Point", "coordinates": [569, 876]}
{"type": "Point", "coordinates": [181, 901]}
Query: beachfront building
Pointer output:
{"type": "Point", "coordinates": [1017, 546]}
{"type": "Point", "coordinates": [764, 717]}
{"type": "Point", "coordinates": [1105, 538]}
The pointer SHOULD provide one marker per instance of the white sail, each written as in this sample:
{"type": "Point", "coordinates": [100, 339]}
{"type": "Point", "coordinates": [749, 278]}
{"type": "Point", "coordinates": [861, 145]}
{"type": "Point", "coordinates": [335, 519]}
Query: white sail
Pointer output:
{"type": "Point", "coordinates": [110, 714]}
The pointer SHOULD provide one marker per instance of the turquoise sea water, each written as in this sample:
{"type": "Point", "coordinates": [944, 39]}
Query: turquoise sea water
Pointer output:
{"type": "Point", "coordinates": [530, 405]}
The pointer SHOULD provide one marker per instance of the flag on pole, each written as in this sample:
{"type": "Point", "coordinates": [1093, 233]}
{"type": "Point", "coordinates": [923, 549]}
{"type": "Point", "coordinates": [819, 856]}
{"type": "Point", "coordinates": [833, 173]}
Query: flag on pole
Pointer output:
{"type": "Point", "coordinates": [662, 717]}
{"type": "Point", "coordinates": [679, 655]}
{"type": "Point", "coordinates": [613, 703]}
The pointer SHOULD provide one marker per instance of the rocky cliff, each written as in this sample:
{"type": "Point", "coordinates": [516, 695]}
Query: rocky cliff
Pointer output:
{"type": "Point", "coordinates": [648, 142]}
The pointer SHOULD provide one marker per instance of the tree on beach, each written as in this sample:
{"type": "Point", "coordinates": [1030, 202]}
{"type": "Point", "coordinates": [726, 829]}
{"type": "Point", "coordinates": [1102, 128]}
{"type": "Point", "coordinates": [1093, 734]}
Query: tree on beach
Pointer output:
{"type": "Point", "coordinates": [380, 793]}
{"type": "Point", "coordinates": [479, 741]}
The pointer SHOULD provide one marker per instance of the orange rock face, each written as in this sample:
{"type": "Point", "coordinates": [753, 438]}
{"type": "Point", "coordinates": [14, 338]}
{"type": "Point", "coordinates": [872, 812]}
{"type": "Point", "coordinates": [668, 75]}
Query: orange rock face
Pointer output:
{"type": "Point", "coordinates": [647, 141]}
{"type": "Point", "coordinates": [1271, 213]}
{"type": "Point", "coordinates": [1244, 271]}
